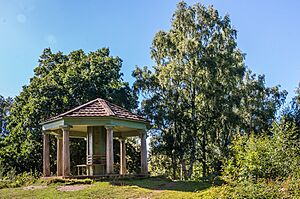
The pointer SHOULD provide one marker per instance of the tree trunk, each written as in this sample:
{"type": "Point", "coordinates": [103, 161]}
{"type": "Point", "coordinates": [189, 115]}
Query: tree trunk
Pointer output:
{"type": "Point", "coordinates": [174, 166]}
{"type": "Point", "coordinates": [194, 133]}
{"type": "Point", "coordinates": [203, 146]}
{"type": "Point", "coordinates": [183, 167]}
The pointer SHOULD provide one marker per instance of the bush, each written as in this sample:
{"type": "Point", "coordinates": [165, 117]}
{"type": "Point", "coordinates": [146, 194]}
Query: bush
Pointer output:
{"type": "Point", "coordinates": [289, 188]}
{"type": "Point", "coordinates": [69, 181]}
{"type": "Point", "coordinates": [273, 156]}
{"type": "Point", "coordinates": [160, 165]}
{"type": "Point", "coordinates": [11, 180]}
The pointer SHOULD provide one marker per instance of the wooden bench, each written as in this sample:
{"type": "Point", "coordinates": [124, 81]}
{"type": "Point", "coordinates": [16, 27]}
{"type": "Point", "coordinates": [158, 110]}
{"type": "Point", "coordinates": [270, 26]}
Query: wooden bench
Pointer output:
{"type": "Point", "coordinates": [92, 160]}
{"type": "Point", "coordinates": [81, 167]}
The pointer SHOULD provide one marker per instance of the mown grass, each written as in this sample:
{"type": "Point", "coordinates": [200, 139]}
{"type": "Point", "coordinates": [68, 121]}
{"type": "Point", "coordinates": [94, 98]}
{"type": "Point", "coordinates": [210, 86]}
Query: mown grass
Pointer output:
{"type": "Point", "coordinates": [154, 188]}
{"type": "Point", "coordinates": [131, 188]}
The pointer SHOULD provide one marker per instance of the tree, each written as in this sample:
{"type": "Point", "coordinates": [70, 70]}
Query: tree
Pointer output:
{"type": "Point", "coordinates": [291, 113]}
{"type": "Point", "coordinates": [60, 82]}
{"type": "Point", "coordinates": [162, 106]}
{"type": "Point", "coordinates": [195, 80]}
{"type": "Point", "coordinates": [5, 105]}
{"type": "Point", "coordinates": [199, 94]}
{"type": "Point", "coordinates": [259, 104]}
{"type": "Point", "coordinates": [297, 98]}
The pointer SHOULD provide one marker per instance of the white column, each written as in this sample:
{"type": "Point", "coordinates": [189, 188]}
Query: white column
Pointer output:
{"type": "Point", "coordinates": [90, 152]}
{"type": "Point", "coordinates": [66, 151]}
{"type": "Point", "coordinates": [59, 155]}
{"type": "Point", "coordinates": [109, 150]}
{"type": "Point", "coordinates": [122, 157]}
{"type": "Point", "coordinates": [144, 163]}
{"type": "Point", "coordinates": [46, 155]}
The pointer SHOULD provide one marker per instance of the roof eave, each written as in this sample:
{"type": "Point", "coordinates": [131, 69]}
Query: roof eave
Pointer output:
{"type": "Point", "coordinates": [49, 121]}
{"type": "Point", "coordinates": [105, 117]}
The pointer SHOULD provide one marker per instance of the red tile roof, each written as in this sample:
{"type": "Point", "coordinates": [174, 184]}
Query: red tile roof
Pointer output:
{"type": "Point", "coordinates": [100, 108]}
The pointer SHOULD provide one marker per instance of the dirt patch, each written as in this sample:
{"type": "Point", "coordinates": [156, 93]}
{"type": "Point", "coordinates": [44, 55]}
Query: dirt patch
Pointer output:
{"type": "Point", "coordinates": [34, 187]}
{"type": "Point", "coordinates": [72, 187]}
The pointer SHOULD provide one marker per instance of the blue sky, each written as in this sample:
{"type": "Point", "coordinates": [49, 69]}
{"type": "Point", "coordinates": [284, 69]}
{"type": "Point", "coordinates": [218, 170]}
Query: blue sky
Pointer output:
{"type": "Point", "coordinates": [268, 32]}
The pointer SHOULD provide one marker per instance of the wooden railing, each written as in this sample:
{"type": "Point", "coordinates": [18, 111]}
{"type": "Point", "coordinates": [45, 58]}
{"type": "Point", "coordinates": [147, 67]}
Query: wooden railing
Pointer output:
{"type": "Point", "coordinates": [92, 160]}
{"type": "Point", "coordinates": [96, 159]}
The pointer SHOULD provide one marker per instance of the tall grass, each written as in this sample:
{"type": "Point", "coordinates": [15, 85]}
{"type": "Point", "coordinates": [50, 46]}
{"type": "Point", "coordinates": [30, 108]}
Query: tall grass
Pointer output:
{"type": "Point", "coordinates": [10, 179]}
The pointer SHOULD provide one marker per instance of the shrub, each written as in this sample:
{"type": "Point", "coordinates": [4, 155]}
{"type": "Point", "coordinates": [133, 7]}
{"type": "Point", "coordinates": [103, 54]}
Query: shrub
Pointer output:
{"type": "Point", "coordinates": [160, 165]}
{"type": "Point", "coordinates": [273, 156]}
{"type": "Point", "coordinates": [69, 181]}
{"type": "Point", "coordinates": [11, 180]}
{"type": "Point", "coordinates": [289, 188]}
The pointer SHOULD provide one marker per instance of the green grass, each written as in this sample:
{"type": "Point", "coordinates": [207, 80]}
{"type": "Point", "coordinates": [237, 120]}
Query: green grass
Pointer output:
{"type": "Point", "coordinates": [155, 187]}
{"type": "Point", "coordinates": [131, 188]}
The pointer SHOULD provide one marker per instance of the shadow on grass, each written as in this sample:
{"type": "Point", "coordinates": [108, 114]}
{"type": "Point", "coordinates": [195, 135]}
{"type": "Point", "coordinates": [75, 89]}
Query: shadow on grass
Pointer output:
{"type": "Point", "coordinates": [160, 183]}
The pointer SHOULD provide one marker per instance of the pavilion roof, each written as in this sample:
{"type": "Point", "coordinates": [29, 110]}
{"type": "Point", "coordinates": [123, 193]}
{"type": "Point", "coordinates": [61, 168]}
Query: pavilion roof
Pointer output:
{"type": "Point", "coordinates": [100, 108]}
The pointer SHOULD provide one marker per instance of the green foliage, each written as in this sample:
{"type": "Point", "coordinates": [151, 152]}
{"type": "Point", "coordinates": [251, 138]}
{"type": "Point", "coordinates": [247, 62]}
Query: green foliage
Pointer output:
{"type": "Point", "coordinates": [259, 104]}
{"type": "Point", "coordinates": [160, 165]}
{"type": "Point", "coordinates": [69, 181]}
{"type": "Point", "coordinates": [289, 188]}
{"type": "Point", "coordinates": [291, 114]}
{"type": "Point", "coordinates": [12, 180]}
{"type": "Point", "coordinates": [60, 82]}
{"type": "Point", "coordinates": [77, 155]}
{"type": "Point", "coordinates": [133, 155]}
{"type": "Point", "coordinates": [273, 156]}
{"type": "Point", "coordinates": [5, 105]}
{"type": "Point", "coordinates": [194, 84]}
{"type": "Point", "coordinates": [198, 95]}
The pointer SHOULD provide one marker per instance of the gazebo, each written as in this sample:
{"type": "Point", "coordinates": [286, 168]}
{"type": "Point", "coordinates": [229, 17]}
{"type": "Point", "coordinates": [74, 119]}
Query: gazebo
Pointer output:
{"type": "Point", "coordinates": [99, 122]}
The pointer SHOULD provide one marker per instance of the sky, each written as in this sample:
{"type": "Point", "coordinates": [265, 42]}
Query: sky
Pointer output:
{"type": "Point", "coordinates": [268, 32]}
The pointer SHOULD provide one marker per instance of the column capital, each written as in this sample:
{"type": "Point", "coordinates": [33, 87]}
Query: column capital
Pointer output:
{"type": "Point", "coordinates": [65, 127]}
{"type": "Point", "coordinates": [143, 132]}
{"type": "Point", "coordinates": [60, 137]}
{"type": "Point", "coordinates": [46, 132]}
{"type": "Point", "coordinates": [109, 127]}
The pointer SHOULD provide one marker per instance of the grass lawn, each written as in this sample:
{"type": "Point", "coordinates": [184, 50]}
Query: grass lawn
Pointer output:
{"type": "Point", "coordinates": [153, 187]}
{"type": "Point", "coordinates": [132, 188]}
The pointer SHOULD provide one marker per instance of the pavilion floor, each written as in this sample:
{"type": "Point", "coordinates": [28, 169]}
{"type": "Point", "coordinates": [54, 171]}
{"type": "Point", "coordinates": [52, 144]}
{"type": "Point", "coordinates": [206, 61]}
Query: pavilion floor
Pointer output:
{"type": "Point", "coordinates": [99, 177]}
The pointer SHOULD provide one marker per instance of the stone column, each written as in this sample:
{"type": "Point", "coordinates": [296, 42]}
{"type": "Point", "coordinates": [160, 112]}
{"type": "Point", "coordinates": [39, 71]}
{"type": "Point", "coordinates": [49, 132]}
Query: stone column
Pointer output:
{"type": "Point", "coordinates": [109, 150]}
{"type": "Point", "coordinates": [46, 154]}
{"type": "Point", "coordinates": [59, 155]}
{"type": "Point", "coordinates": [144, 163]}
{"type": "Point", "coordinates": [66, 151]}
{"type": "Point", "coordinates": [122, 156]}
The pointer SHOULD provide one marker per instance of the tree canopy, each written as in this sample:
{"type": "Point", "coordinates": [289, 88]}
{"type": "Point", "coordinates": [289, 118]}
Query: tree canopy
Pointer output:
{"type": "Point", "coordinates": [5, 105]}
{"type": "Point", "coordinates": [199, 93]}
{"type": "Point", "coordinates": [60, 82]}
